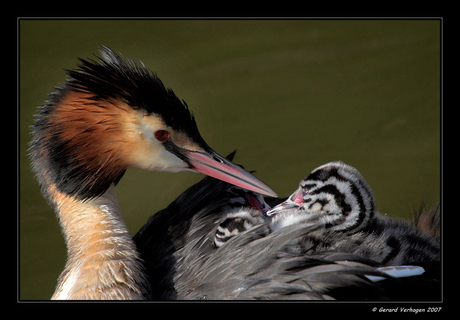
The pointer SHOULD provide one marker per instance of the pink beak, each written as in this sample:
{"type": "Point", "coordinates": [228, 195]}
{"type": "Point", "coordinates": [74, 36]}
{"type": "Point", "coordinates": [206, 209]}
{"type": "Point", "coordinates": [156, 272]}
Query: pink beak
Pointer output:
{"type": "Point", "coordinates": [212, 164]}
{"type": "Point", "coordinates": [295, 201]}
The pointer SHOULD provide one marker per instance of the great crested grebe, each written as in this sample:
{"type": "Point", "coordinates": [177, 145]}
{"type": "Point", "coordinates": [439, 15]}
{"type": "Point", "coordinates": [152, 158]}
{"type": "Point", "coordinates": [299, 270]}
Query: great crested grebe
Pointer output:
{"type": "Point", "coordinates": [336, 198]}
{"type": "Point", "coordinates": [260, 261]}
{"type": "Point", "coordinates": [109, 115]}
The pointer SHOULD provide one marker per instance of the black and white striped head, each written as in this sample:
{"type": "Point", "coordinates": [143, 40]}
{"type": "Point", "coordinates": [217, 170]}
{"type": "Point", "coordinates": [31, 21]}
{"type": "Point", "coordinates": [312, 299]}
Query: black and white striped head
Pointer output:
{"type": "Point", "coordinates": [334, 195]}
{"type": "Point", "coordinates": [237, 222]}
{"type": "Point", "coordinates": [245, 209]}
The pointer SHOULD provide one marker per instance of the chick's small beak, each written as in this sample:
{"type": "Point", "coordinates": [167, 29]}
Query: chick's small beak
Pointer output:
{"type": "Point", "coordinates": [293, 202]}
{"type": "Point", "coordinates": [286, 205]}
{"type": "Point", "coordinates": [212, 164]}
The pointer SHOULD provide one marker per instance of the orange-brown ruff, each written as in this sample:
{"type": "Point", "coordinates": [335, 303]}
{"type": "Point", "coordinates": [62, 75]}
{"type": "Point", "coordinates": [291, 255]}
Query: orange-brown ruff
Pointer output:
{"type": "Point", "coordinates": [92, 135]}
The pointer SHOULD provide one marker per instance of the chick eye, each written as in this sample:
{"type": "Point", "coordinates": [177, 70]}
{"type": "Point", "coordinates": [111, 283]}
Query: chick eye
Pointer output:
{"type": "Point", "coordinates": [162, 135]}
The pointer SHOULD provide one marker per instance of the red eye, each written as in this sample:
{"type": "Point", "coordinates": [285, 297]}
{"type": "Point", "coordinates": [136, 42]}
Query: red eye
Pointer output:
{"type": "Point", "coordinates": [162, 135]}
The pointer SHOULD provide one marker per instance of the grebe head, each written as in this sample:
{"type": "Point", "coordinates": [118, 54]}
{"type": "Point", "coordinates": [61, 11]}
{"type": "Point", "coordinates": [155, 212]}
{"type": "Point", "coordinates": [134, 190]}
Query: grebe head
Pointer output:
{"type": "Point", "coordinates": [112, 114]}
{"type": "Point", "coordinates": [334, 195]}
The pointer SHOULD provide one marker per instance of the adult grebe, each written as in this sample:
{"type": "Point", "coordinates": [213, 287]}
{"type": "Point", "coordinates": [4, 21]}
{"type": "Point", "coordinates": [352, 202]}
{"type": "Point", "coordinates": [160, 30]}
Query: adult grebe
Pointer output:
{"type": "Point", "coordinates": [109, 115]}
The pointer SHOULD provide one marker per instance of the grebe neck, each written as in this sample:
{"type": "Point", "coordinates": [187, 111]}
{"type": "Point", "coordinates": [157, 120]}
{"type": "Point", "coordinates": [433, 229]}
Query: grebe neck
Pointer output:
{"type": "Point", "coordinates": [102, 261]}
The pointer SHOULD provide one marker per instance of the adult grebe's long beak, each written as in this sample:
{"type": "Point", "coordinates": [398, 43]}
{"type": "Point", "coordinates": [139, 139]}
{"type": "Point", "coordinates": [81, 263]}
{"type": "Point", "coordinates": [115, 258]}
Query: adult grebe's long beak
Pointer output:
{"type": "Point", "coordinates": [213, 164]}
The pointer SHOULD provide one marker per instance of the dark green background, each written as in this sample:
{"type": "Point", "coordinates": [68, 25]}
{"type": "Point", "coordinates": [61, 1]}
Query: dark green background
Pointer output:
{"type": "Point", "coordinates": [288, 95]}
